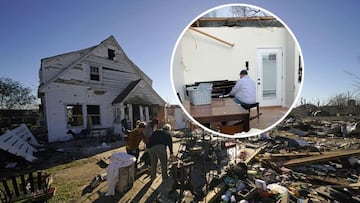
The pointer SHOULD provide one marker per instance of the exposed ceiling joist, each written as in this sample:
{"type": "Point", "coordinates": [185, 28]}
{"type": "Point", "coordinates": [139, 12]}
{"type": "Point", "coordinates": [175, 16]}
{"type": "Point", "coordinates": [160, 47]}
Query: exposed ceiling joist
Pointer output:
{"type": "Point", "coordinates": [213, 37]}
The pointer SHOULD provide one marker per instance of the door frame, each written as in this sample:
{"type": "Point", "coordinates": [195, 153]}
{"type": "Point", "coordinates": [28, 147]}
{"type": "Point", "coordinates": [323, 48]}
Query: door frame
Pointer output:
{"type": "Point", "coordinates": [278, 101]}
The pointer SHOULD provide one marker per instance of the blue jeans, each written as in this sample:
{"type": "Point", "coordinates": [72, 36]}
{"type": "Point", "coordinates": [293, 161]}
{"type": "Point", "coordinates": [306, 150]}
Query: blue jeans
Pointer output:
{"type": "Point", "coordinates": [238, 101]}
{"type": "Point", "coordinates": [135, 153]}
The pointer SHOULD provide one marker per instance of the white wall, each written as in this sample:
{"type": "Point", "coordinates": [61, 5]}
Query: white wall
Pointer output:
{"type": "Point", "coordinates": [180, 119]}
{"type": "Point", "coordinates": [289, 71]}
{"type": "Point", "coordinates": [62, 95]}
{"type": "Point", "coordinates": [207, 59]}
{"type": "Point", "coordinates": [178, 72]}
{"type": "Point", "coordinates": [53, 65]}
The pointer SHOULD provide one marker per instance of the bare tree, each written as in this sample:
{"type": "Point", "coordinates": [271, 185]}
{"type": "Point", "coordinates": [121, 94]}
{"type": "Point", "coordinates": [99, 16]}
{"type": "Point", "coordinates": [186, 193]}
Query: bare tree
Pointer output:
{"type": "Point", "coordinates": [14, 95]}
{"type": "Point", "coordinates": [302, 101]}
{"type": "Point", "coordinates": [317, 101]}
{"type": "Point", "coordinates": [356, 80]}
{"type": "Point", "coordinates": [238, 11]}
{"type": "Point", "coordinates": [338, 100]}
{"type": "Point", "coordinates": [243, 11]}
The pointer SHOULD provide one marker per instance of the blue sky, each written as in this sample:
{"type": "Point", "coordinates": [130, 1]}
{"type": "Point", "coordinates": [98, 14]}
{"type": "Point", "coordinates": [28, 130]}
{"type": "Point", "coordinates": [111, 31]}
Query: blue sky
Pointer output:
{"type": "Point", "coordinates": [327, 31]}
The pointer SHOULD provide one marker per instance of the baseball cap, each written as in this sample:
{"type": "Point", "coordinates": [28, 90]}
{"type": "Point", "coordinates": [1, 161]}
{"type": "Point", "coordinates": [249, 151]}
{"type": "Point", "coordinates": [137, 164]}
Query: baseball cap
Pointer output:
{"type": "Point", "coordinates": [167, 127]}
{"type": "Point", "coordinates": [142, 125]}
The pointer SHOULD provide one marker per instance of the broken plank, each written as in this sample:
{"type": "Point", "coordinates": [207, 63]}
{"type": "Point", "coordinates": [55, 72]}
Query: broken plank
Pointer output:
{"type": "Point", "coordinates": [334, 181]}
{"type": "Point", "coordinates": [214, 195]}
{"type": "Point", "coordinates": [212, 36]}
{"type": "Point", "coordinates": [250, 158]}
{"type": "Point", "coordinates": [355, 184]}
{"type": "Point", "coordinates": [321, 158]}
{"type": "Point", "coordinates": [299, 154]}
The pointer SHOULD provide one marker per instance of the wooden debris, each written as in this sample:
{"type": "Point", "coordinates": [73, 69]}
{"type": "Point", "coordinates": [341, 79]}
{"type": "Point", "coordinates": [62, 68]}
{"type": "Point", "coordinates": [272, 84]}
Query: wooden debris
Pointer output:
{"type": "Point", "coordinates": [321, 158]}
{"type": "Point", "coordinates": [212, 36]}
{"type": "Point", "coordinates": [20, 142]}
{"type": "Point", "coordinates": [297, 154]}
{"type": "Point", "coordinates": [330, 180]}
{"type": "Point", "coordinates": [215, 194]}
{"type": "Point", "coordinates": [250, 158]}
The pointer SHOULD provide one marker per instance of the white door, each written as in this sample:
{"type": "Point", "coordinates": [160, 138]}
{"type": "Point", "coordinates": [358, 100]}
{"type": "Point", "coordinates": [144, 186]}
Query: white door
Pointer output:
{"type": "Point", "coordinates": [269, 76]}
{"type": "Point", "coordinates": [180, 119]}
{"type": "Point", "coordinates": [118, 116]}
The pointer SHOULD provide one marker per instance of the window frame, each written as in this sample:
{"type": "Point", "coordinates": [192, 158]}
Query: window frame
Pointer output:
{"type": "Point", "coordinates": [94, 75]}
{"type": "Point", "coordinates": [94, 117]}
{"type": "Point", "coordinates": [79, 117]}
{"type": "Point", "coordinates": [111, 54]}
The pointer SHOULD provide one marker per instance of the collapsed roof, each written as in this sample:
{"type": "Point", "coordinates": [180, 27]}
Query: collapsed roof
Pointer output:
{"type": "Point", "coordinates": [256, 21]}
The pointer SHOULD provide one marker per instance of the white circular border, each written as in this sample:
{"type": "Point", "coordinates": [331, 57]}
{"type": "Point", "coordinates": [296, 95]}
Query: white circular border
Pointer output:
{"type": "Point", "coordinates": [243, 134]}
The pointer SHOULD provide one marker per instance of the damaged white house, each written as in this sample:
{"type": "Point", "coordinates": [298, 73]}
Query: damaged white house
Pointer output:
{"type": "Point", "coordinates": [95, 88]}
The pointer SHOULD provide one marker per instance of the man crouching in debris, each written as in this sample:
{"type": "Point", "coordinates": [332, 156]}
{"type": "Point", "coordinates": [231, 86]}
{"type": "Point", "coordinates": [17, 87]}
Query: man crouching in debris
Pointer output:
{"type": "Point", "coordinates": [156, 147]}
{"type": "Point", "coordinates": [134, 139]}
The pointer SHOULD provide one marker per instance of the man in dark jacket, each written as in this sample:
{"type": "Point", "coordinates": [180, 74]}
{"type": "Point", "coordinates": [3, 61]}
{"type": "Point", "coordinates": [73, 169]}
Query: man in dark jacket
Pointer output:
{"type": "Point", "coordinates": [156, 147]}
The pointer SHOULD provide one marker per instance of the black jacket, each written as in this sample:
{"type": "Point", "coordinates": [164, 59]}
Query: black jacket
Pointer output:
{"type": "Point", "coordinates": [162, 137]}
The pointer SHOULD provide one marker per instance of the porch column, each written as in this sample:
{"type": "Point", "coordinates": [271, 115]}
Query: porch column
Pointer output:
{"type": "Point", "coordinates": [147, 117]}
{"type": "Point", "coordinates": [130, 115]}
{"type": "Point", "coordinates": [85, 117]}
{"type": "Point", "coordinates": [141, 113]}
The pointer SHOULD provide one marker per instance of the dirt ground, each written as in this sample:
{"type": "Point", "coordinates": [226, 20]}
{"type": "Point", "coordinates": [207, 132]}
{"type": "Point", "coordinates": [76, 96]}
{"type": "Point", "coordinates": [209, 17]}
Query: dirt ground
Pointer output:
{"type": "Point", "coordinates": [74, 165]}
{"type": "Point", "coordinates": [72, 182]}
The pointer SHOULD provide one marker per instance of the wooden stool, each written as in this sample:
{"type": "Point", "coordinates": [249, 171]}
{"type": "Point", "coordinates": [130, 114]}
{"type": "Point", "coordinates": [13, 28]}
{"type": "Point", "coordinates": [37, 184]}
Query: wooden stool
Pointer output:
{"type": "Point", "coordinates": [250, 106]}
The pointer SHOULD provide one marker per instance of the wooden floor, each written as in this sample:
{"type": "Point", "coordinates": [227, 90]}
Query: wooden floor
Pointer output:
{"type": "Point", "coordinates": [268, 116]}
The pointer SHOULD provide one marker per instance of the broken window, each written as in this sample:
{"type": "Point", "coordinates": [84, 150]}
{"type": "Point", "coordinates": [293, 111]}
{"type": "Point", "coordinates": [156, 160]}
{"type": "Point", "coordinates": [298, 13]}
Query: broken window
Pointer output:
{"type": "Point", "coordinates": [94, 73]}
{"type": "Point", "coordinates": [93, 112]}
{"type": "Point", "coordinates": [74, 115]}
{"type": "Point", "coordinates": [111, 54]}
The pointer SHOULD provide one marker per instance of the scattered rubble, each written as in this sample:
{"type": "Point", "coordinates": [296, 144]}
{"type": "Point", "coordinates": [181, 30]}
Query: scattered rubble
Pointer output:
{"type": "Point", "coordinates": [20, 142]}
{"type": "Point", "coordinates": [301, 160]}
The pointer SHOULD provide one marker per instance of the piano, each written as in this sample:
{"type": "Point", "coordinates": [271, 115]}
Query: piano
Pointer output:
{"type": "Point", "coordinates": [220, 87]}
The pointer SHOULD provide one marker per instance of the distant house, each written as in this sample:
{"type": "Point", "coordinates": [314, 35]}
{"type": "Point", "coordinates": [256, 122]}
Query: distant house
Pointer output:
{"type": "Point", "coordinates": [95, 88]}
{"type": "Point", "coordinates": [176, 117]}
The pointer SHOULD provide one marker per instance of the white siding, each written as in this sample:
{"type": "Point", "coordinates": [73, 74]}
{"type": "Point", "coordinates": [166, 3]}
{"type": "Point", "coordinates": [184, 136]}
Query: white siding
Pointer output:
{"type": "Point", "coordinates": [122, 62]}
{"type": "Point", "coordinates": [62, 95]}
{"type": "Point", "coordinates": [52, 66]}
{"type": "Point", "coordinates": [57, 97]}
{"type": "Point", "coordinates": [112, 77]}
{"type": "Point", "coordinates": [119, 65]}
{"type": "Point", "coordinates": [118, 79]}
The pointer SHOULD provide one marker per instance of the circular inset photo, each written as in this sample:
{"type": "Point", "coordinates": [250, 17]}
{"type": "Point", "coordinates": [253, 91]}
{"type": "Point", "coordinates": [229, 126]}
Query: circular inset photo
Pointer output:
{"type": "Point", "coordinates": [237, 70]}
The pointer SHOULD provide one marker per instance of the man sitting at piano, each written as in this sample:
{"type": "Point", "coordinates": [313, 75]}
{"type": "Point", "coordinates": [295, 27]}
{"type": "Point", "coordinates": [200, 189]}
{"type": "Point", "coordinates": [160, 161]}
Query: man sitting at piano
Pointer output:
{"type": "Point", "coordinates": [244, 91]}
